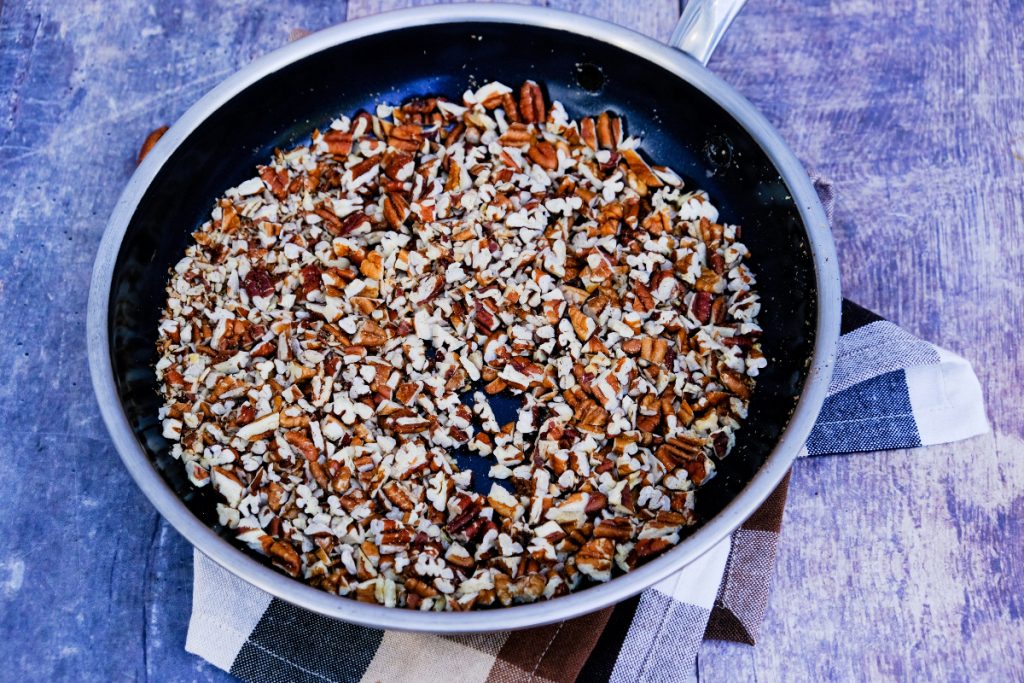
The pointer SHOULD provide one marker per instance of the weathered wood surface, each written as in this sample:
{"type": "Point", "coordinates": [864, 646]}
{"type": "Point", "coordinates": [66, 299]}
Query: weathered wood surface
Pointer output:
{"type": "Point", "coordinates": [901, 565]}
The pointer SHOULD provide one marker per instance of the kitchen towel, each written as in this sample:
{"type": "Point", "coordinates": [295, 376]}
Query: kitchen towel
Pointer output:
{"type": "Point", "coordinates": [889, 390]}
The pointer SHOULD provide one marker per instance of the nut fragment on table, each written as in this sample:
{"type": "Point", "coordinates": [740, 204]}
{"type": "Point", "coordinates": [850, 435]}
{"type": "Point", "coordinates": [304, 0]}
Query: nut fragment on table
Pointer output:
{"type": "Point", "coordinates": [335, 332]}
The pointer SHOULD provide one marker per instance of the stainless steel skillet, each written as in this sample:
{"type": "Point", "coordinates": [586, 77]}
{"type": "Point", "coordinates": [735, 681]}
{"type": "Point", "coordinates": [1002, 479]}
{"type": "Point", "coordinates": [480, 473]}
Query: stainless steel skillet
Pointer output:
{"type": "Point", "coordinates": [688, 118]}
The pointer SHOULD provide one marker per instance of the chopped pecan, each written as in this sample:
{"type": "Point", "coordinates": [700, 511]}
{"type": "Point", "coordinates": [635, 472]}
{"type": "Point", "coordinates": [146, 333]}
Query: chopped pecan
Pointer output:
{"type": "Point", "coordinates": [735, 383]}
{"type": "Point", "coordinates": [648, 548]}
{"type": "Point", "coordinates": [544, 155]}
{"type": "Point", "coordinates": [150, 141]}
{"type": "Point", "coordinates": [303, 444]}
{"type": "Point", "coordinates": [420, 588]}
{"type": "Point", "coordinates": [350, 223]}
{"type": "Point", "coordinates": [258, 282]}
{"type": "Point", "coordinates": [285, 557]}
{"type": "Point", "coordinates": [277, 181]}
{"type": "Point", "coordinates": [508, 103]}
{"type": "Point", "coordinates": [591, 417]}
{"type": "Point", "coordinates": [495, 386]}
{"type": "Point", "coordinates": [407, 137]}
{"type": "Point", "coordinates": [372, 266]}
{"type": "Point", "coordinates": [370, 335]}
{"type": "Point", "coordinates": [517, 135]}
{"type": "Point", "coordinates": [398, 495]}
{"type": "Point", "coordinates": [275, 496]}
{"type": "Point", "coordinates": [616, 528]}
{"type": "Point", "coordinates": [407, 392]}
{"type": "Point", "coordinates": [399, 166]}
{"type": "Point", "coordinates": [595, 558]}
{"type": "Point", "coordinates": [605, 133]}
{"type": "Point", "coordinates": [396, 210]}
{"type": "Point", "coordinates": [311, 279]}
{"type": "Point", "coordinates": [638, 166]}
{"type": "Point", "coordinates": [531, 103]}
{"type": "Point", "coordinates": [701, 307]}
{"type": "Point", "coordinates": [581, 323]}
{"type": "Point", "coordinates": [339, 143]}
{"type": "Point", "coordinates": [407, 424]}
{"type": "Point", "coordinates": [588, 131]}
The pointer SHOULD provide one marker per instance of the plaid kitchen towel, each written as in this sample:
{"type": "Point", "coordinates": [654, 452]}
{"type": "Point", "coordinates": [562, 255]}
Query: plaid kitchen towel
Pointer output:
{"type": "Point", "coordinates": [889, 390]}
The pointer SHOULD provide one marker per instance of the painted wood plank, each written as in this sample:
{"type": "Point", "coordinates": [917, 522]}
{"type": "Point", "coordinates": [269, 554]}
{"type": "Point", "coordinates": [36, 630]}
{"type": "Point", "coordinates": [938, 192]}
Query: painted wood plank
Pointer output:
{"type": "Point", "coordinates": [655, 18]}
{"type": "Point", "coordinates": [903, 564]}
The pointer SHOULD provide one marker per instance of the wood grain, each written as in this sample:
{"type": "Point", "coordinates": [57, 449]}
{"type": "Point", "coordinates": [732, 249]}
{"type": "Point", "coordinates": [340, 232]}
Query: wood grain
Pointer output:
{"type": "Point", "coordinates": [900, 565]}
{"type": "Point", "coordinates": [905, 564]}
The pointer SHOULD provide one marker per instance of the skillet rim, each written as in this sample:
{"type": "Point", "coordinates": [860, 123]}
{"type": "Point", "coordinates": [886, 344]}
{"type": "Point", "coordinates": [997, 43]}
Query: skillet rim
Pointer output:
{"type": "Point", "coordinates": [703, 544]}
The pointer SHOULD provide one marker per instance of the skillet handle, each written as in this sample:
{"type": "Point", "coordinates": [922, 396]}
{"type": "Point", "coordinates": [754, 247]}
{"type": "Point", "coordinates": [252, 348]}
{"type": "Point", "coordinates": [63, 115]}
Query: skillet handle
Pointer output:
{"type": "Point", "coordinates": [702, 24]}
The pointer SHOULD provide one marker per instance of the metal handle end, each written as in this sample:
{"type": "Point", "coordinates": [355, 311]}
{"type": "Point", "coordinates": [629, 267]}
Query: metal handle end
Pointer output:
{"type": "Point", "coordinates": [702, 24]}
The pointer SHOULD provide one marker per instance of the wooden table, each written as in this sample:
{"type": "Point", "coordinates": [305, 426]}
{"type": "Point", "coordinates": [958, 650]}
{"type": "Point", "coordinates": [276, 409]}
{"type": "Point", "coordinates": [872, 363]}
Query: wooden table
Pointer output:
{"type": "Point", "coordinates": [894, 565]}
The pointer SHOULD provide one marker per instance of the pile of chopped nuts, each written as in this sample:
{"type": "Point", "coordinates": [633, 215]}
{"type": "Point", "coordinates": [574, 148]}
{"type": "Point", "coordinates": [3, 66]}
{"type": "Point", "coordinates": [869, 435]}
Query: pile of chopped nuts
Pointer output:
{"type": "Point", "coordinates": [332, 338]}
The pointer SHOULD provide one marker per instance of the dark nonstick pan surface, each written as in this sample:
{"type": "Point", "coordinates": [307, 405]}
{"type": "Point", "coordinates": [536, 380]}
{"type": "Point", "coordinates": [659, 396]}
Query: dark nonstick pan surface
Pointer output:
{"type": "Point", "coordinates": [679, 125]}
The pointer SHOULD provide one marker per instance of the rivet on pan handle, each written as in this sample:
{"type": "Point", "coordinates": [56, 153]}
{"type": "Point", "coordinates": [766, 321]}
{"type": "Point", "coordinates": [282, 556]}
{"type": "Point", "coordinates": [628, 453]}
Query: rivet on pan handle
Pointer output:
{"type": "Point", "coordinates": [702, 24]}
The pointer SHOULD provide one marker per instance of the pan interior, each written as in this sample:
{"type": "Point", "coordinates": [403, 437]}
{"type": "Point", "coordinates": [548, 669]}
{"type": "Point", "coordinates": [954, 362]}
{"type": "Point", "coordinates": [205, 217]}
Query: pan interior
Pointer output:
{"type": "Point", "coordinates": [679, 125]}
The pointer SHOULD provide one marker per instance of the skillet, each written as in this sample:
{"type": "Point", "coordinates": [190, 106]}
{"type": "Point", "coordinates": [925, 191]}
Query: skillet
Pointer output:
{"type": "Point", "coordinates": [687, 118]}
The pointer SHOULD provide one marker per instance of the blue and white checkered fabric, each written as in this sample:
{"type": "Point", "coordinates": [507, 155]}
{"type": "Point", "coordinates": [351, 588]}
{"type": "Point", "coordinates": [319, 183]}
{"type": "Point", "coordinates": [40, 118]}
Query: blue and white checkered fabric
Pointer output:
{"type": "Point", "coordinates": [893, 390]}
